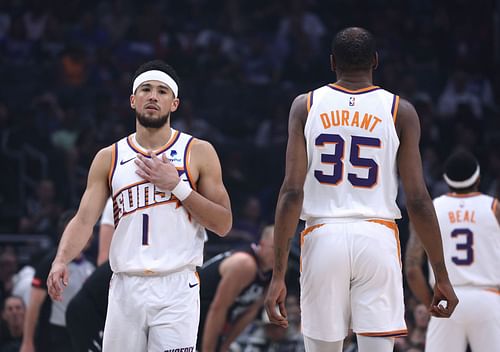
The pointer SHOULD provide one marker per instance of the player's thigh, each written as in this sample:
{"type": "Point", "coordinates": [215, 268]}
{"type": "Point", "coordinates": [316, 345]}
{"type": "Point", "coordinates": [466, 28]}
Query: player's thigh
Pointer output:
{"type": "Point", "coordinates": [325, 280]}
{"type": "Point", "coordinates": [174, 325]}
{"type": "Point", "coordinates": [445, 335]}
{"type": "Point", "coordinates": [483, 328]}
{"type": "Point", "coordinates": [377, 284]}
{"type": "Point", "coordinates": [125, 328]}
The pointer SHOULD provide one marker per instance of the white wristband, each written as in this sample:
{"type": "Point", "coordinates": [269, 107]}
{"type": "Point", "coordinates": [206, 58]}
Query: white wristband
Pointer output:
{"type": "Point", "coordinates": [182, 190]}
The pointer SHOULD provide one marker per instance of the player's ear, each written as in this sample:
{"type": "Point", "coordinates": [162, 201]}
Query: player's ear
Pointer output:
{"type": "Point", "coordinates": [375, 61]}
{"type": "Point", "coordinates": [333, 63]}
{"type": "Point", "coordinates": [175, 105]}
{"type": "Point", "coordinates": [132, 101]}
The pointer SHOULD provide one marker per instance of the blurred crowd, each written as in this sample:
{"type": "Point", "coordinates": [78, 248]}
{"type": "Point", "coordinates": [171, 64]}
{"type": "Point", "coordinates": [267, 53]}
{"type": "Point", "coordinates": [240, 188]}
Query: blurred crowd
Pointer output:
{"type": "Point", "coordinates": [66, 71]}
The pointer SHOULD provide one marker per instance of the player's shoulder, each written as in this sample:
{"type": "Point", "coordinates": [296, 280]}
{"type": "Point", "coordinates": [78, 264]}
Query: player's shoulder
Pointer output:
{"type": "Point", "coordinates": [243, 260]}
{"type": "Point", "coordinates": [201, 147]}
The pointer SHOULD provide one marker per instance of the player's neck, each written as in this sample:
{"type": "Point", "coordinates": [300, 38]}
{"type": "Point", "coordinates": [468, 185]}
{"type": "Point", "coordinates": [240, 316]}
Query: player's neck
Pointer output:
{"type": "Point", "coordinates": [354, 80]}
{"type": "Point", "coordinates": [153, 138]}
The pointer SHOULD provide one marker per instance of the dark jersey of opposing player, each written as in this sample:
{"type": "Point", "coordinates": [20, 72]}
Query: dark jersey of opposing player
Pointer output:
{"type": "Point", "coordinates": [210, 278]}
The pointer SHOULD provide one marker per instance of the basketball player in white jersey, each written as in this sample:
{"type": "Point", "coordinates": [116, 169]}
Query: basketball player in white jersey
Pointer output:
{"type": "Point", "coordinates": [469, 223]}
{"type": "Point", "coordinates": [346, 142]}
{"type": "Point", "coordinates": [166, 188]}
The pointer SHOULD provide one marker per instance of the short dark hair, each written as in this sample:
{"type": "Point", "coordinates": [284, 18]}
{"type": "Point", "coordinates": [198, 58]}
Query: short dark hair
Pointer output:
{"type": "Point", "coordinates": [354, 48]}
{"type": "Point", "coordinates": [460, 166]}
{"type": "Point", "coordinates": [160, 66]}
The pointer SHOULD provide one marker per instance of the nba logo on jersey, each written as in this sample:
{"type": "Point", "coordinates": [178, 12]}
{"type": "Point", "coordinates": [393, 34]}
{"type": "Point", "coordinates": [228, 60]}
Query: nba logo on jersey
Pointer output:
{"type": "Point", "coordinates": [352, 101]}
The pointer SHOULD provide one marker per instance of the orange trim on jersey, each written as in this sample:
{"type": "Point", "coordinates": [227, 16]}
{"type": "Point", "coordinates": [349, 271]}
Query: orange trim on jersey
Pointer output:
{"type": "Point", "coordinates": [139, 149]}
{"type": "Point", "coordinates": [463, 195]}
{"type": "Point", "coordinates": [385, 333]}
{"type": "Point", "coordinates": [494, 290]}
{"type": "Point", "coordinates": [392, 225]}
{"type": "Point", "coordinates": [494, 205]}
{"type": "Point", "coordinates": [395, 108]}
{"type": "Point", "coordinates": [112, 167]}
{"type": "Point", "coordinates": [187, 160]}
{"type": "Point", "coordinates": [309, 101]}
{"type": "Point", "coordinates": [362, 90]}
{"type": "Point", "coordinates": [303, 234]}
{"type": "Point", "coordinates": [197, 277]}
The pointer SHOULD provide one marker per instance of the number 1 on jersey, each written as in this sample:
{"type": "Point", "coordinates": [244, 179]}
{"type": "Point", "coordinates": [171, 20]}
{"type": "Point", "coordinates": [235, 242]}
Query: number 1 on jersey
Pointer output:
{"type": "Point", "coordinates": [145, 229]}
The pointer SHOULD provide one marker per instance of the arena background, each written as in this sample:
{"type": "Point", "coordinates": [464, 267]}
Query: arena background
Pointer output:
{"type": "Point", "coordinates": [65, 73]}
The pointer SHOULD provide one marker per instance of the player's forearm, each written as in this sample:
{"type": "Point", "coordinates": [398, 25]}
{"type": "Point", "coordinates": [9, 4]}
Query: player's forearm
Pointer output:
{"type": "Point", "coordinates": [29, 325]}
{"type": "Point", "coordinates": [286, 219]}
{"type": "Point", "coordinates": [32, 313]}
{"type": "Point", "coordinates": [213, 216]}
{"type": "Point", "coordinates": [423, 217]}
{"type": "Point", "coordinates": [73, 241]}
{"type": "Point", "coordinates": [241, 323]}
{"type": "Point", "coordinates": [214, 322]}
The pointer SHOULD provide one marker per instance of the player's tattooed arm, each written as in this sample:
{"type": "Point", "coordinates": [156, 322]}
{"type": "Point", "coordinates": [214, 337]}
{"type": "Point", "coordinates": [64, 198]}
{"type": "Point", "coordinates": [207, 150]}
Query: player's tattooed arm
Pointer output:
{"type": "Point", "coordinates": [414, 260]}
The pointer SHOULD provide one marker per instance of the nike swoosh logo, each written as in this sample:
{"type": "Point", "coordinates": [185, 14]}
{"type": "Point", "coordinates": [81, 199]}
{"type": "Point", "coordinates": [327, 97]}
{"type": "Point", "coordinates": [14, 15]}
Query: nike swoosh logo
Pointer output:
{"type": "Point", "coordinates": [126, 161]}
{"type": "Point", "coordinates": [192, 285]}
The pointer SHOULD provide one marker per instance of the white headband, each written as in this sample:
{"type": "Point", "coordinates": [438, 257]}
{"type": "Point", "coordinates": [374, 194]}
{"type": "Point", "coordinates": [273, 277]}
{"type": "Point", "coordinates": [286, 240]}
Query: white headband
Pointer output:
{"type": "Point", "coordinates": [465, 183]}
{"type": "Point", "coordinates": [155, 75]}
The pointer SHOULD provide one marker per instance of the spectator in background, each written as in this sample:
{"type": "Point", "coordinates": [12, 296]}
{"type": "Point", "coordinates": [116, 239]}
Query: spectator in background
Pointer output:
{"type": "Point", "coordinates": [247, 223]}
{"type": "Point", "coordinates": [42, 211]}
{"type": "Point", "coordinates": [45, 322]}
{"type": "Point", "coordinates": [8, 268]}
{"type": "Point", "coordinates": [416, 337]}
{"type": "Point", "coordinates": [11, 326]}
{"type": "Point", "coordinates": [456, 94]}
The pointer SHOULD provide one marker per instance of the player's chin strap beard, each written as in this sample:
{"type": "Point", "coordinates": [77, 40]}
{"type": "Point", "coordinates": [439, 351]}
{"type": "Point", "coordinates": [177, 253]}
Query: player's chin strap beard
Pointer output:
{"type": "Point", "coordinates": [158, 122]}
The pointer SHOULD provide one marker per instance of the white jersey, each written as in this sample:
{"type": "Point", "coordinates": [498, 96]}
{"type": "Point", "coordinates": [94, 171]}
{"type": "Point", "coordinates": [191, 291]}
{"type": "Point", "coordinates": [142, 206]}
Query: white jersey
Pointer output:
{"type": "Point", "coordinates": [471, 239]}
{"type": "Point", "coordinates": [154, 233]}
{"type": "Point", "coordinates": [352, 146]}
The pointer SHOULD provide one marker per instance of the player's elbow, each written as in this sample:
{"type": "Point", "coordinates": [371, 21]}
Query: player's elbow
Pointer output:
{"type": "Point", "coordinates": [292, 195]}
{"type": "Point", "coordinates": [419, 205]}
{"type": "Point", "coordinates": [222, 228]}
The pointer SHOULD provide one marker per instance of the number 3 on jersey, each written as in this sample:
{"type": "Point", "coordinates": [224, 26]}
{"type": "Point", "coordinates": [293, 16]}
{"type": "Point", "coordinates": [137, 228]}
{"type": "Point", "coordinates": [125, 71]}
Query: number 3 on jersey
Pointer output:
{"type": "Point", "coordinates": [337, 160]}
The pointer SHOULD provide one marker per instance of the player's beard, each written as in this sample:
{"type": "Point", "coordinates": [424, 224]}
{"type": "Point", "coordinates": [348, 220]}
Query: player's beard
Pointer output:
{"type": "Point", "coordinates": [152, 122]}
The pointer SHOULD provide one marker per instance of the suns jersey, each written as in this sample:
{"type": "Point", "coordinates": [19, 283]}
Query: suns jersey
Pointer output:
{"type": "Point", "coordinates": [153, 231]}
{"type": "Point", "coordinates": [352, 145]}
{"type": "Point", "coordinates": [471, 239]}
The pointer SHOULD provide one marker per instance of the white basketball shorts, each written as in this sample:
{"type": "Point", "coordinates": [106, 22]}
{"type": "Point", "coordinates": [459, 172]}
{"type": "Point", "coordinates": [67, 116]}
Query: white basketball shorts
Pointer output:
{"type": "Point", "coordinates": [351, 278]}
{"type": "Point", "coordinates": [152, 313]}
{"type": "Point", "coordinates": [476, 320]}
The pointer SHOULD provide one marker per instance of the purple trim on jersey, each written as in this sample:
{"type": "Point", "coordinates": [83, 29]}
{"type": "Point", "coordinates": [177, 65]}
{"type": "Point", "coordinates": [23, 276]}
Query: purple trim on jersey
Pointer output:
{"type": "Point", "coordinates": [352, 93]}
{"type": "Point", "coordinates": [393, 104]}
{"type": "Point", "coordinates": [145, 229]}
{"type": "Point", "coordinates": [185, 162]}
{"type": "Point", "coordinates": [158, 152]}
{"type": "Point", "coordinates": [115, 162]}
